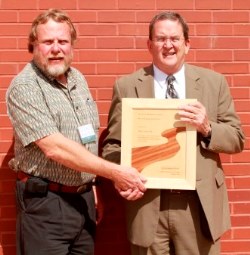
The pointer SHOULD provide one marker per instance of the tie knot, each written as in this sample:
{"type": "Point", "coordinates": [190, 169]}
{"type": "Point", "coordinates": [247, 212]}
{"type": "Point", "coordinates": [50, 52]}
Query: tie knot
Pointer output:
{"type": "Point", "coordinates": [170, 79]}
{"type": "Point", "coordinates": [171, 92]}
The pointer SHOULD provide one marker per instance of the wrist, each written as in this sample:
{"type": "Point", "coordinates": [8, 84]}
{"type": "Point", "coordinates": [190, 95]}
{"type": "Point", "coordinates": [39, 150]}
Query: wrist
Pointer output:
{"type": "Point", "coordinates": [208, 132]}
{"type": "Point", "coordinates": [207, 137]}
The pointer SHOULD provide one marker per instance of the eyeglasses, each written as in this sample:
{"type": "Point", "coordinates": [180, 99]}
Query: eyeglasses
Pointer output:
{"type": "Point", "coordinates": [175, 40]}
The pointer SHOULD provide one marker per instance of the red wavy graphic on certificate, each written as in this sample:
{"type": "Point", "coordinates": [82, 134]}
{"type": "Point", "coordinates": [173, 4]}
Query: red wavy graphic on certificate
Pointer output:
{"type": "Point", "coordinates": [146, 155]}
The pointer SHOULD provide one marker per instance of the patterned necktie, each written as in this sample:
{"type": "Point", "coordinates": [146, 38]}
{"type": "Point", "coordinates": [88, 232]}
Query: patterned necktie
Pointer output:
{"type": "Point", "coordinates": [171, 92]}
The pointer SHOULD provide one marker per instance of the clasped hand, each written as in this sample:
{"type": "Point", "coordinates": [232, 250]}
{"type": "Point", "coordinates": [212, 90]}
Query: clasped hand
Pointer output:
{"type": "Point", "coordinates": [196, 115]}
{"type": "Point", "coordinates": [130, 183]}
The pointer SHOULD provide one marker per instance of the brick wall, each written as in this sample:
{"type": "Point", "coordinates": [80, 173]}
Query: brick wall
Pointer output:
{"type": "Point", "coordinates": [112, 42]}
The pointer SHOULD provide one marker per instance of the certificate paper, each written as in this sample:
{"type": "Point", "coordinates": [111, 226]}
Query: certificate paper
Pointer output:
{"type": "Point", "coordinates": [157, 143]}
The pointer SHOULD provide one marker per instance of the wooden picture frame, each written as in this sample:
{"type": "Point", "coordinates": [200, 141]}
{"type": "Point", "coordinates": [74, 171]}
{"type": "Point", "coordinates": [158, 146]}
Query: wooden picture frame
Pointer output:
{"type": "Point", "coordinates": [157, 143]}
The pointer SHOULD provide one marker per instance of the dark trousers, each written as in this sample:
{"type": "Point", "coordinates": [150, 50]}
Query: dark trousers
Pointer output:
{"type": "Point", "coordinates": [54, 223]}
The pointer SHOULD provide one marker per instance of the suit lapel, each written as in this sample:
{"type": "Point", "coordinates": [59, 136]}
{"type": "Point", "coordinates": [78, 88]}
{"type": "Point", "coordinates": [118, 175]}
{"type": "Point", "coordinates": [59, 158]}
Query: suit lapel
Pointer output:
{"type": "Point", "coordinates": [193, 89]}
{"type": "Point", "coordinates": [145, 83]}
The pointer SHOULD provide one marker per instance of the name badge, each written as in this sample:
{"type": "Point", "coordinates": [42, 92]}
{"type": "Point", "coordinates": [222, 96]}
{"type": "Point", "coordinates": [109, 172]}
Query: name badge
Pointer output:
{"type": "Point", "coordinates": [87, 133]}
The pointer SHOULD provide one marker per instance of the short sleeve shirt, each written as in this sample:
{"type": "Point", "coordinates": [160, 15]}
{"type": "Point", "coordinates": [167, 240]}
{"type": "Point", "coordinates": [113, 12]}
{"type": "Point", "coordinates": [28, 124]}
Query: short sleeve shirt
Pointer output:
{"type": "Point", "coordinates": [39, 106]}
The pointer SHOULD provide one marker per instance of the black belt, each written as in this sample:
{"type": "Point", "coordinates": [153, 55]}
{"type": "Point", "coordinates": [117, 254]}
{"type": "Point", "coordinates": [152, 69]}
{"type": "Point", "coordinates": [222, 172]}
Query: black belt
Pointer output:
{"type": "Point", "coordinates": [57, 187]}
{"type": "Point", "coordinates": [178, 191]}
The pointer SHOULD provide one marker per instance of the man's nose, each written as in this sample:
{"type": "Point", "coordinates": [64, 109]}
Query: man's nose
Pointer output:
{"type": "Point", "coordinates": [55, 47]}
{"type": "Point", "coordinates": [168, 43]}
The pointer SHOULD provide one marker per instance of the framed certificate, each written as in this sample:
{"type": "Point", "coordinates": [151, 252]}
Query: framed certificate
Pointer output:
{"type": "Point", "coordinates": [157, 143]}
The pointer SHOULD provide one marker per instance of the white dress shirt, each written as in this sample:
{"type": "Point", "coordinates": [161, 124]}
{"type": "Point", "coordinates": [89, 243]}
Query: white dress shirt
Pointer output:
{"type": "Point", "coordinates": [160, 85]}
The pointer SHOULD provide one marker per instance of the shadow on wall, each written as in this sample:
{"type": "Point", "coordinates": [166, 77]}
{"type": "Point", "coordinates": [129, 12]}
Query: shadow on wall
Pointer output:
{"type": "Point", "coordinates": [7, 206]}
{"type": "Point", "coordinates": [111, 231]}
{"type": "Point", "coordinates": [111, 237]}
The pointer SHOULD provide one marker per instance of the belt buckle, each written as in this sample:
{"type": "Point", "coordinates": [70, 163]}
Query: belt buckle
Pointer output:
{"type": "Point", "coordinates": [82, 188]}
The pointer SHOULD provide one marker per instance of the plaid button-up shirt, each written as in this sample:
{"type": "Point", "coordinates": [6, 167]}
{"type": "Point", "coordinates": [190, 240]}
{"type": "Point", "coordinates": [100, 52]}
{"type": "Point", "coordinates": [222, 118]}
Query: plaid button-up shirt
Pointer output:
{"type": "Point", "coordinates": [39, 106]}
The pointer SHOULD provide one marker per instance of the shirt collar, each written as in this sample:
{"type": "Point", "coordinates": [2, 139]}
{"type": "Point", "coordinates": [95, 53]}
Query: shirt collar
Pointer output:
{"type": "Point", "coordinates": [161, 76]}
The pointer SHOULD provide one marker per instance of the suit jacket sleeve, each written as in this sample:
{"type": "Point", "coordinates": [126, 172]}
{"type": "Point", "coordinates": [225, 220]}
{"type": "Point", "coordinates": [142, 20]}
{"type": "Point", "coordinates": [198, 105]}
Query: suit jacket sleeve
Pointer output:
{"type": "Point", "coordinates": [112, 142]}
{"type": "Point", "coordinates": [227, 135]}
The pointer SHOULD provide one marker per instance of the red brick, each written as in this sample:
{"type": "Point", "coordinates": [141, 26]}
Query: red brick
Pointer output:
{"type": "Point", "coordinates": [115, 43]}
{"type": "Point", "coordinates": [101, 81]}
{"type": "Point", "coordinates": [7, 186]}
{"type": "Point", "coordinates": [144, 16]}
{"type": "Point", "coordinates": [241, 157]}
{"type": "Point", "coordinates": [6, 173]}
{"type": "Point", "coordinates": [3, 108]}
{"type": "Point", "coordinates": [82, 16]}
{"type": "Point", "coordinates": [244, 117]}
{"type": "Point", "coordinates": [103, 107]}
{"type": "Point", "coordinates": [141, 42]}
{"type": "Point", "coordinates": [116, 17]}
{"type": "Point", "coordinates": [13, 30]}
{"type": "Point", "coordinates": [103, 120]}
{"type": "Point", "coordinates": [239, 195]}
{"type": "Point", "coordinates": [197, 17]}
{"type": "Point", "coordinates": [242, 105]}
{"type": "Point", "coordinates": [133, 30]}
{"type": "Point", "coordinates": [225, 158]}
{"type": "Point", "coordinates": [241, 4]}
{"type": "Point", "coordinates": [241, 29]}
{"type": "Point", "coordinates": [242, 208]}
{"type": "Point", "coordinates": [46, 4]}
{"type": "Point", "coordinates": [97, 29]}
{"type": "Point", "coordinates": [84, 42]}
{"type": "Point", "coordinates": [136, 4]}
{"type": "Point", "coordinates": [17, 5]}
{"type": "Point", "coordinates": [240, 93]}
{"type": "Point", "coordinates": [231, 16]}
{"type": "Point", "coordinates": [134, 56]}
{"type": "Point", "coordinates": [5, 122]}
{"type": "Point", "coordinates": [97, 55]}
{"type": "Point", "coordinates": [214, 55]}
{"type": "Point", "coordinates": [214, 29]}
{"type": "Point", "coordinates": [237, 246]}
{"type": "Point", "coordinates": [242, 80]}
{"type": "Point", "coordinates": [14, 56]}
{"type": "Point", "coordinates": [198, 42]}
{"type": "Point", "coordinates": [241, 55]}
{"type": "Point", "coordinates": [28, 16]}
{"type": "Point", "coordinates": [8, 16]}
{"type": "Point", "coordinates": [5, 146]}
{"type": "Point", "coordinates": [2, 95]}
{"type": "Point", "coordinates": [8, 43]}
{"type": "Point", "coordinates": [9, 239]}
{"type": "Point", "coordinates": [231, 68]}
{"type": "Point", "coordinates": [6, 69]}
{"type": "Point", "coordinates": [230, 43]}
{"type": "Point", "coordinates": [86, 68]}
{"type": "Point", "coordinates": [213, 4]}
{"type": "Point", "coordinates": [22, 42]}
{"type": "Point", "coordinates": [104, 94]}
{"type": "Point", "coordinates": [7, 225]}
{"type": "Point", "coordinates": [8, 250]}
{"type": "Point", "coordinates": [8, 212]}
{"type": "Point", "coordinates": [242, 183]}
{"type": "Point", "coordinates": [115, 68]}
{"type": "Point", "coordinates": [236, 169]}
{"type": "Point", "coordinates": [97, 4]}
{"type": "Point", "coordinates": [240, 220]}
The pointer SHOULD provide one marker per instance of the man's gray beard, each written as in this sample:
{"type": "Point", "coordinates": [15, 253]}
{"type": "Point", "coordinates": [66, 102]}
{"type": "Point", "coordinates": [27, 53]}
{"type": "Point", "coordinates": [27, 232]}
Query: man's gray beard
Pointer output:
{"type": "Point", "coordinates": [56, 71]}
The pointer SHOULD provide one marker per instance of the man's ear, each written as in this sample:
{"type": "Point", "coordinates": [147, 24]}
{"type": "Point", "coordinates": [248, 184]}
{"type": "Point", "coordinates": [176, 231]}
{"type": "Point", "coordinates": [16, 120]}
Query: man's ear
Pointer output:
{"type": "Point", "coordinates": [149, 44]}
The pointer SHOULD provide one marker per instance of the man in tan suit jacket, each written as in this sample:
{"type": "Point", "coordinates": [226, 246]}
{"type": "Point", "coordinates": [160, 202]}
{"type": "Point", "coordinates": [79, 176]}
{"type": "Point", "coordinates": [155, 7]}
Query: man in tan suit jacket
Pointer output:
{"type": "Point", "coordinates": [180, 222]}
